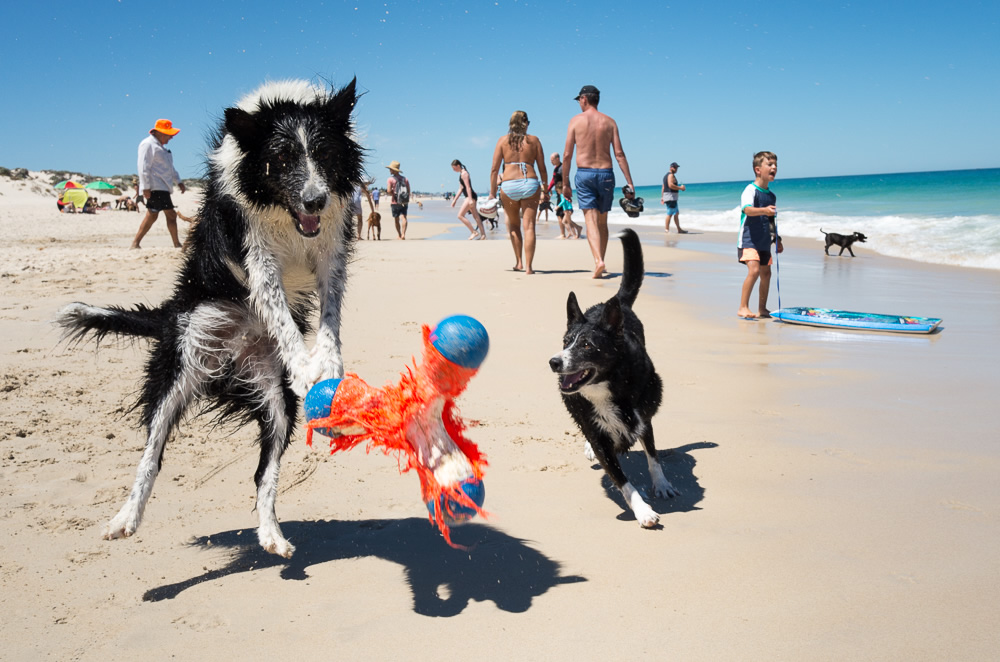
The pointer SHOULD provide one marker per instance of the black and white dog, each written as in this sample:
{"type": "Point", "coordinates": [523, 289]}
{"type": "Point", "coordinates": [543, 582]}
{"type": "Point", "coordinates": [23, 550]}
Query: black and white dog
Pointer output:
{"type": "Point", "coordinates": [842, 240]}
{"type": "Point", "coordinates": [608, 382]}
{"type": "Point", "coordinates": [275, 231]}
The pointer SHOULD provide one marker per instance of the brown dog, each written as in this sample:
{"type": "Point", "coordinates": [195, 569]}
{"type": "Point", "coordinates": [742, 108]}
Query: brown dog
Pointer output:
{"type": "Point", "coordinates": [375, 225]}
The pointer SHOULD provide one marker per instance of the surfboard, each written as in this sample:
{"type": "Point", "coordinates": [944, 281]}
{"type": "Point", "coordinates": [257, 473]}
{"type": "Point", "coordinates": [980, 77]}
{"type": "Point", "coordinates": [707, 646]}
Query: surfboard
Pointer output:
{"type": "Point", "coordinates": [845, 319]}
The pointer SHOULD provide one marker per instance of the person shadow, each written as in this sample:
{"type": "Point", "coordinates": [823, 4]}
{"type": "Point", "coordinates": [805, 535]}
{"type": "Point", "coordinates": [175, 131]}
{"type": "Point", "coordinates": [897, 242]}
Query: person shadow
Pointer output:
{"type": "Point", "coordinates": [678, 466]}
{"type": "Point", "coordinates": [443, 580]}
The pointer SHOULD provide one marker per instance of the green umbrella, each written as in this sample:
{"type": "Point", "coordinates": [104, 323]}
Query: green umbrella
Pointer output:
{"type": "Point", "coordinates": [100, 186]}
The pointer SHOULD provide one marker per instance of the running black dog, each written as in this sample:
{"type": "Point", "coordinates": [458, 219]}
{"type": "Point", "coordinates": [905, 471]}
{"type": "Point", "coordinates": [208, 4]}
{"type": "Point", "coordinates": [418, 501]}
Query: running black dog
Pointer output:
{"type": "Point", "coordinates": [842, 240]}
{"type": "Point", "coordinates": [274, 236]}
{"type": "Point", "coordinates": [608, 382]}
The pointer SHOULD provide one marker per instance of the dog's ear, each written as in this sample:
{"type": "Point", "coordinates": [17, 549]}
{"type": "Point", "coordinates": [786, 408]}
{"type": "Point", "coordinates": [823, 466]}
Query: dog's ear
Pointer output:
{"type": "Point", "coordinates": [573, 311]}
{"type": "Point", "coordinates": [341, 105]}
{"type": "Point", "coordinates": [613, 316]}
{"type": "Point", "coordinates": [241, 125]}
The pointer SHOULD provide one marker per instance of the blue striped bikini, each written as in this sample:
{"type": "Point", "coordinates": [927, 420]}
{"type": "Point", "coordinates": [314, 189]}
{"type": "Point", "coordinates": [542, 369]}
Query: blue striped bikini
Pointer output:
{"type": "Point", "coordinates": [519, 189]}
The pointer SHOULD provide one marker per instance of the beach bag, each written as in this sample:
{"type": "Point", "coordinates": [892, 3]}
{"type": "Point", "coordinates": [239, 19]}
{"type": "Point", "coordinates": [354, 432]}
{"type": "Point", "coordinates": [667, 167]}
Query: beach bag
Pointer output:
{"type": "Point", "coordinates": [402, 191]}
{"type": "Point", "coordinates": [488, 208]}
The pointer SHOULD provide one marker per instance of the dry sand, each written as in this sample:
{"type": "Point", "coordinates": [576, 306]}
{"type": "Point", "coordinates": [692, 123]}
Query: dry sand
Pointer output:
{"type": "Point", "coordinates": [839, 492]}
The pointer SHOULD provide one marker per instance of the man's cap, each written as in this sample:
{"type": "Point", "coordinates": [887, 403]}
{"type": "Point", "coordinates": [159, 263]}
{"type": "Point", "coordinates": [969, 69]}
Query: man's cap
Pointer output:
{"type": "Point", "coordinates": [394, 166]}
{"type": "Point", "coordinates": [165, 127]}
{"type": "Point", "coordinates": [674, 165]}
{"type": "Point", "coordinates": [587, 89]}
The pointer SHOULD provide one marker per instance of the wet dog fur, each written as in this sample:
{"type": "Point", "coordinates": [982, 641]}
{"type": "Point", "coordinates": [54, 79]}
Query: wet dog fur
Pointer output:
{"type": "Point", "coordinates": [608, 383]}
{"type": "Point", "coordinates": [272, 243]}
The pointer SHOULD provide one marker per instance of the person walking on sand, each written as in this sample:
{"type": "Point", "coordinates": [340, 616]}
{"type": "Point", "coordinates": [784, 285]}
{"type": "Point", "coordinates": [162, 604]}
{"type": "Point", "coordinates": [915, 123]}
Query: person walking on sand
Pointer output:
{"type": "Point", "coordinates": [758, 230]}
{"type": "Point", "coordinates": [465, 188]}
{"type": "Point", "coordinates": [594, 134]}
{"type": "Point", "coordinates": [398, 188]}
{"type": "Point", "coordinates": [157, 177]}
{"type": "Point", "coordinates": [568, 229]}
{"type": "Point", "coordinates": [521, 188]}
{"type": "Point", "coordinates": [668, 196]}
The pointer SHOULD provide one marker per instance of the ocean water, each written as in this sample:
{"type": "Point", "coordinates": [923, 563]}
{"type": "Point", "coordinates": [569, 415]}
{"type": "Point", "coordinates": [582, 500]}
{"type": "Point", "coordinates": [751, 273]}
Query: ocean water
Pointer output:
{"type": "Point", "coordinates": [950, 217]}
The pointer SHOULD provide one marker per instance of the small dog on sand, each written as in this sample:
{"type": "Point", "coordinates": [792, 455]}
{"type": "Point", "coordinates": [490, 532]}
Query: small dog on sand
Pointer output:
{"type": "Point", "coordinates": [273, 239]}
{"type": "Point", "coordinates": [842, 240]}
{"type": "Point", "coordinates": [608, 382]}
{"type": "Point", "coordinates": [375, 225]}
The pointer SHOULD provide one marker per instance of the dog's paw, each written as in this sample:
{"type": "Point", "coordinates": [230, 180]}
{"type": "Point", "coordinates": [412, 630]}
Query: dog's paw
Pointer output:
{"type": "Point", "coordinates": [588, 451]}
{"type": "Point", "coordinates": [274, 543]}
{"type": "Point", "coordinates": [662, 487]}
{"type": "Point", "coordinates": [646, 516]}
{"type": "Point", "coordinates": [122, 525]}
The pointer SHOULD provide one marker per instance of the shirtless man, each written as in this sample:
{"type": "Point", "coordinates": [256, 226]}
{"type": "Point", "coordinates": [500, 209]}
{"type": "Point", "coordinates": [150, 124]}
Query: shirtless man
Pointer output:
{"type": "Point", "coordinates": [593, 134]}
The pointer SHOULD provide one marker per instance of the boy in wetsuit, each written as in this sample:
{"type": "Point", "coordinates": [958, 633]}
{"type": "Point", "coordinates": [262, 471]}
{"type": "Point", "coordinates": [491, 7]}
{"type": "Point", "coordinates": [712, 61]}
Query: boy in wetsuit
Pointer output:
{"type": "Point", "coordinates": [758, 230]}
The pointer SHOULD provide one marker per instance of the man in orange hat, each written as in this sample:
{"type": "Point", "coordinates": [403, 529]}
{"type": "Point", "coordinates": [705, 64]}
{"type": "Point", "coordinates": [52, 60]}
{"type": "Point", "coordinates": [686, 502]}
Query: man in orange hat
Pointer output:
{"type": "Point", "coordinates": [157, 177]}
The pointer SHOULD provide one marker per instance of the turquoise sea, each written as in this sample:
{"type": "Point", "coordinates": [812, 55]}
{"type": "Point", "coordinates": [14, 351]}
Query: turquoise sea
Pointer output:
{"type": "Point", "coordinates": [950, 217]}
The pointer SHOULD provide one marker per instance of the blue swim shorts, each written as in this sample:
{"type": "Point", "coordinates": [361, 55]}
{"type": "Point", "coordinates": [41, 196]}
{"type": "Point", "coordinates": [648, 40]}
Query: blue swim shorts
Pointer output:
{"type": "Point", "coordinates": [595, 188]}
{"type": "Point", "coordinates": [671, 207]}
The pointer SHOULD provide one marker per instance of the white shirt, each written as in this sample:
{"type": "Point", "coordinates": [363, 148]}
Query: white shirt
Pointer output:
{"type": "Point", "coordinates": [156, 166]}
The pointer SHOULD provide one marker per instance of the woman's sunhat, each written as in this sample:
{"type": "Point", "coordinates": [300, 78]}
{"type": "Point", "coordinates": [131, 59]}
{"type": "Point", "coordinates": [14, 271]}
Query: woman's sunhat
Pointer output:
{"type": "Point", "coordinates": [165, 127]}
{"type": "Point", "coordinates": [394, 166]}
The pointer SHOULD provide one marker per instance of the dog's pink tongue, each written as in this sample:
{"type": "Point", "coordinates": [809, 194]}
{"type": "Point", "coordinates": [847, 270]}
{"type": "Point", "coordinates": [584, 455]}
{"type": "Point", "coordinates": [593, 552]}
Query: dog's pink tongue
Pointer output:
{"type": "Point", "coordinates": [309, 223]}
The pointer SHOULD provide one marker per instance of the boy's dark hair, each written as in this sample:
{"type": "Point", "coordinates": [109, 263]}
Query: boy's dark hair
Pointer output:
{"type": "Point", "coordinates": [760, 157]}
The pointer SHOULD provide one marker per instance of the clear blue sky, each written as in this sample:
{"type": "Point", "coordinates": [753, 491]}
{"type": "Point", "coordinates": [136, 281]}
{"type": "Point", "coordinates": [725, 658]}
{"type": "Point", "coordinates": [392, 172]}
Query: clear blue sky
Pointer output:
{"type": "Point", "coordinates": [833, 88]}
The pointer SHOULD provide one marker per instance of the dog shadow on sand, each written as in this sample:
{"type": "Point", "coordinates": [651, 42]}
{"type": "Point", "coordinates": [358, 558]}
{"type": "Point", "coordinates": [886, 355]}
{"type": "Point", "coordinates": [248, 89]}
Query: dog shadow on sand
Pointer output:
{"type": "Point", "coordinates": [496, 567]}
{"type": "Point", "coordinates": [678, 467]}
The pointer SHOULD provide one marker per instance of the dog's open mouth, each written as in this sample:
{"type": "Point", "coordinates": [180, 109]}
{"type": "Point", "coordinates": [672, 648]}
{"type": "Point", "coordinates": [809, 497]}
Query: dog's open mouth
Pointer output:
{"type": "Point", "coordinates": [306, 224]}
{"type": "Point", "coordinates": [572, 382]}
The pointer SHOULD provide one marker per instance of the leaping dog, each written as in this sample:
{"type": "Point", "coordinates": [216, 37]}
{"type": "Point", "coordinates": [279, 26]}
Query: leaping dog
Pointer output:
{"type": "Point", "coordinates": [273, 239]}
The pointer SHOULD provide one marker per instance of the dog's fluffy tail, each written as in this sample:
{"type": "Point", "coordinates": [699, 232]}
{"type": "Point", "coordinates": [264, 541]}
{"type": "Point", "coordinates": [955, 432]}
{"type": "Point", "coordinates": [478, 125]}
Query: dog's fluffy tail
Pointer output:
{"type": "Point", "coordinates": [633, 270]}
{"type": "Point", "coordinates": [78, 320]}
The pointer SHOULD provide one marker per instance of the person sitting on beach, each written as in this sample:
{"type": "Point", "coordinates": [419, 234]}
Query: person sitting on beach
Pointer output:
{"type": "Point", "coordinates": [568, 228]}
{"type": "Point", "coordinates": [521, 189]}
{"type": "Point", "coordinates": [465, 188]}
{"type": "Point", "coordinates": [758, 230]}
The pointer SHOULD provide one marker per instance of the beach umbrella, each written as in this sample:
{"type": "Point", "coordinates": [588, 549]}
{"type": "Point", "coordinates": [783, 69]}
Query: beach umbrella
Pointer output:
{"type": "Point", "coordinates": [67, 184]}
{"type": "Point", "coordinates": [103, 187]}
{"type": "Point", "coordinates": [100, 186]}
{"type": "Point", "coordinates": [75, 195]}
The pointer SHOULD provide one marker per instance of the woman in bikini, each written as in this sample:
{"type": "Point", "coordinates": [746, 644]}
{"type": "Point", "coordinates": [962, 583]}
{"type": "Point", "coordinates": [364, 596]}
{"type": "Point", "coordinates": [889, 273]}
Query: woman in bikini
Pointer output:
{"type": "Point", "coordinates": [521, 189]}
{"type": "Point", "coordinates": [465, 188]}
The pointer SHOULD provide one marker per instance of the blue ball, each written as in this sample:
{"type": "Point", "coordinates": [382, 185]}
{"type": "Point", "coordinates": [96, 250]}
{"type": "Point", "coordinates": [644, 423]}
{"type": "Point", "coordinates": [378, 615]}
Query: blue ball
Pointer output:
{"type": "Point", "coordinates": [462, 340]}
{"type": "Point", "coordinates": [460, 513]}
{"type": "Point", "coordinates": [317, 403]}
